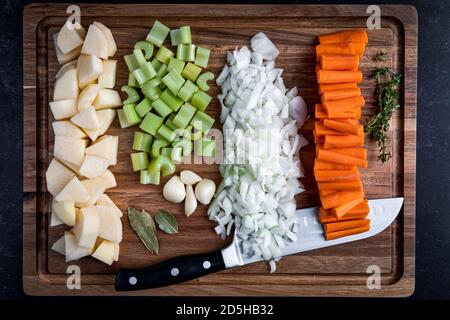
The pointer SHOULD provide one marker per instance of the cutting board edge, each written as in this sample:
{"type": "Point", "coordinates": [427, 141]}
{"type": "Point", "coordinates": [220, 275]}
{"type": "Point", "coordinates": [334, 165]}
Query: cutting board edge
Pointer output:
{"type": "Point", "coordinates": [32, 282]}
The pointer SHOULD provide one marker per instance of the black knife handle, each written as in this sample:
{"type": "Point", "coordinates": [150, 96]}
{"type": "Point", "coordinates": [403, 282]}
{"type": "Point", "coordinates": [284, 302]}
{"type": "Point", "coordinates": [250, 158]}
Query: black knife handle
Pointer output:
{"type": "Point", "coordinates": [175, 270]}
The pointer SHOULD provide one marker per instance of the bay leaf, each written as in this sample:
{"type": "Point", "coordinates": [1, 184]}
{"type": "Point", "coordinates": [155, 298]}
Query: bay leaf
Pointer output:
{"type": "Point", "coordinates": [166, 222]}
{"type": "Point", "coordinates": [143, 224]}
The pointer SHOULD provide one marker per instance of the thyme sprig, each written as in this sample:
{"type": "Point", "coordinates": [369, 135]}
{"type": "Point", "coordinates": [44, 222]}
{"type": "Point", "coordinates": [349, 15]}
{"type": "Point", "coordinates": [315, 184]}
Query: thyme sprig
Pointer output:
{"type": "Point", "coordinates": [387, 93]}
{"type": "Point", "coordinates": [380, 56]}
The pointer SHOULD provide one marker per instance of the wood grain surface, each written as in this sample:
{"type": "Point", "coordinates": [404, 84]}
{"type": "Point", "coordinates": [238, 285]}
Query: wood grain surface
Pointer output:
{"type": "Point", "coordinates": [334, 271]}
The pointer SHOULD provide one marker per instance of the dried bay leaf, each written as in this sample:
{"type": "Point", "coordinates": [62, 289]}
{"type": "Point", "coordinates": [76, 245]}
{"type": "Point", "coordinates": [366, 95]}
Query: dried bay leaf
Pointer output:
{"type": "Point", "coordinates": [143, 224]}
{"type": "Point", "coordinates": [166, 222]}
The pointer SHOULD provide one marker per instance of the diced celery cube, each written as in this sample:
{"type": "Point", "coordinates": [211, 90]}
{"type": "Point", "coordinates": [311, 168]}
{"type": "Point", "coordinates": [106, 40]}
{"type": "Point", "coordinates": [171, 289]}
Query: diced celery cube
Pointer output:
{"type": "Point", "coordinates": [186, 52]}
{"type": "Point", "coordinates": [131, 115]}
{"type": "Point", "coordinates": [146, 46]}
{"type": "Point", "coordinates": [181, 36]}
{"type": "Point", "coordinates": [143, 107]}
{"type": "Point", "coordinates": [157, 145]}
{"type": "Point", "coordinates": [201, 100]}
{"type": "Point", "coordinates": [176, 65]}
{"type": "Point", "coordinates": [202, 122]}
{"type": "Point", "coordinates": [166, 152]}
{"type": "Point", "coordinates": [134, 60]}
{"type": "Point", "coordinates": [202, 80]}
{"type": "Point", "coordinates": [132, 82]}
{"type": "Point", "coordinates": [133, 95]}
{"type": "Point", "coordinates": [184, 115]}
{"type": "Point", "coordinates": [142, 141]}
{"type": "Point", "coordinates": [149, 178]}
{"type": "Point", "coordinates": [191, 71]}
{"type": "Point", "coordinates": [144, 73]}
{"type": "Point", "coordinates": [139, 161]}
{"type": "Point", "coordinates": [175, 37]}
{"type": "Point", "coordinates": [151, 123]}
{"type": "Point", "coordinates": [163, 55]}
{"type": "Point", "coordinates": [153, 83]}
{"type": "Point", "coordinates": [169, 122]}
{"type": "Point", "coordinates": [174, 81]}
{"type": "Point", "coordinates": [156, 64]}
{"type": "Point", "coordinates": [171, 100]}
{"type": "Point", "coordinates": [187, 90]}
{"type": "Point", "coordinates": [202, 57]}
{"type": "Point", "coordinates": [140, 58]}
{"type": "Point", "coordinates": [162, 71]}
{"type": "Point", "coordinates": [162, 164]}
{"type": "Point", "coordinates": [123, 120]}
{"type": "Point", "coordinates": [150, 91]}
{"type": "Point", "coordinates": [165, 132]}
{"type": "Point", "coordinates": [158, 33]}
{"type": "Point", "coordinates": [161, 108]}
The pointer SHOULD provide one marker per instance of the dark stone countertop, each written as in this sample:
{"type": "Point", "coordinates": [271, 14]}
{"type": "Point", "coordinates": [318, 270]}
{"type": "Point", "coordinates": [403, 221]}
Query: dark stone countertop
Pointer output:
{"type": "Point", "coordinates": [433, 152]}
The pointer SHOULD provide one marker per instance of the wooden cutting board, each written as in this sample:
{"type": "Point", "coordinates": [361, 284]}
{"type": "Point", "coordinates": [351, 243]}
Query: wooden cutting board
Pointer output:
{"type": "Point", "coordinates": [334, 271]}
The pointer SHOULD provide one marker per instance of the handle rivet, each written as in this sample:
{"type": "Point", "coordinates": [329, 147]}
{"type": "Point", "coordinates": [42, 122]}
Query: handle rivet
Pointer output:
{"type": "Point", "coordinates": [206, 264]}
{"type": "Point", "coordinates": [132, 280]}
{"type": "Point", "coordinates": [174, 272]}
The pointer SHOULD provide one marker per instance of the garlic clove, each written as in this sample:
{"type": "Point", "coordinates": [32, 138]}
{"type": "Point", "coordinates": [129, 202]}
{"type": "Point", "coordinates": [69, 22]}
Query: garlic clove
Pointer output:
{"type": "Point", "coordinates": [190, 204]}
{"type": "Point", "coordinates": [189, 177]}
{"type": "Point", "coordinates": [173, 190]}
{"type": "Point", "coordinates": [204, 191]}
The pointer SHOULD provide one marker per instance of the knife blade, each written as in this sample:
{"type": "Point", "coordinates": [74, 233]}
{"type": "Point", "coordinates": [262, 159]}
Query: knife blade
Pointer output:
{"type": "Point", "coordinates": [309, 233]}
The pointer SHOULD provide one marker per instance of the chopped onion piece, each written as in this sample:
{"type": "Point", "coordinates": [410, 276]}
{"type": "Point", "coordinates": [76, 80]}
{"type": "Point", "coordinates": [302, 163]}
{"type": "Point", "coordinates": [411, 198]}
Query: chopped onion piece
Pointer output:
{"type": "Point", "coordinates": [261, 152]}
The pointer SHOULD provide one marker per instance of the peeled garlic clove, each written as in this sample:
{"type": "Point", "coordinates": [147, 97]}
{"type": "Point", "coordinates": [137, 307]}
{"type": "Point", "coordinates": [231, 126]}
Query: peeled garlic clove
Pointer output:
{"type": "Point", "coordinates": [173, 190]}
{"type": "Point", "coordinates": [190, 204]}
{"type": "Point", "coordinates": [204, 191]}
{"type": "Point", "coordinates": [189, 177]}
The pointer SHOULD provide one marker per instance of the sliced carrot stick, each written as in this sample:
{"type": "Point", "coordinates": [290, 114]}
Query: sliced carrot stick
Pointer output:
{"type": "Point", "coordinates": [346, 104]}
{"type": "Point", "coordinates": [336, 175]}
{"type": "Point", "coordinates": [319, 111]}
{"type": "Point", "coordinates": [345, 233]}
{"type": "Point", "coordinates": [333, 76]}
{"type": "Point", "coordinates": [349, 121]}
{"type": "Point", "coordinates": [336, 86]}
{"type": "Point", "coordinates": [321, 130]}
{"type": "Point", "coordinates": [339, 141]}
{"type": "Point", "coordinates": [325, 216]}
{"type": "Point", "coordinates": [340, 185]}
{"type": "Point", "coordinates": [323, 193]}
{"type": "Point", "coordinates": [319, 139]}
{"type": "Point", "coordinates": [344, 37]}
{"type": "Point", "coordinates": [320, 165]}
{"type": "Point", "coordinates": [344, 127]}
{"type": "Point", "coordinates": [338, 198]}
{"type": "Point", "coordinates": [362, 208]}
{"type": "Point", "coordinates": [339, 62]}
{"type": "Point", "coordinates": [334, 157]}
{"type": "Point", "coordinates": [340, 48]}
{"type": "Point", "coordinates": [360, 153]}
{"type": "Point", "coordinates": [318, 67]}
{"type": "Point", "coordinates": [344, 225]}
{"type": "Point", "coordinates": [341, 94]}
{"type": "Point", "coordinates": [341, 210]}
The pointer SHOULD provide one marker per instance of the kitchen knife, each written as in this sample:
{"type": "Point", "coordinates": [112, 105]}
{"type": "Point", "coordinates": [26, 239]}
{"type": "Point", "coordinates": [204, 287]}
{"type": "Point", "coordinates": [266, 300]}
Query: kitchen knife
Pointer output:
{"type": "Point", "coordinates": [310, 236]}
